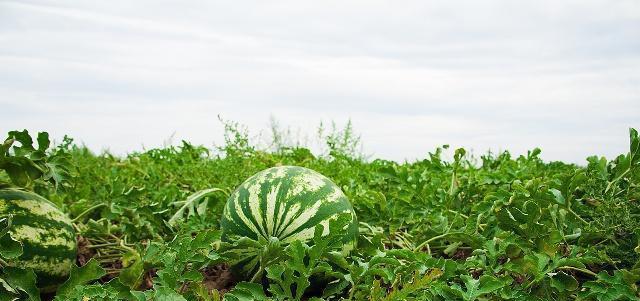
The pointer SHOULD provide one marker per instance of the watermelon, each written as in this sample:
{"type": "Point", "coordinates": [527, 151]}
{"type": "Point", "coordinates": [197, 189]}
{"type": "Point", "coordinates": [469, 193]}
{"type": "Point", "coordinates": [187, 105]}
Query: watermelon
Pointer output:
{"type": "Point", "coordinates": [287, 202]}
{"type": "Point", "coordinates": [47, 236]}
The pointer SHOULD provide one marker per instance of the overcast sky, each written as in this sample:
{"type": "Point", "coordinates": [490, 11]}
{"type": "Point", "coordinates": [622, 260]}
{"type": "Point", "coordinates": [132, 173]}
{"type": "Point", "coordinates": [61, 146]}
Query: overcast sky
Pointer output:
{"type": "Point", "coordinates": [411, 75]}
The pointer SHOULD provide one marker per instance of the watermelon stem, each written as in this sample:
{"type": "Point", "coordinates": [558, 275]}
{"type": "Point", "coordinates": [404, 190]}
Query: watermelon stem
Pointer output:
{"type": "Point", "coordinates": [579, 270]}
{"type": "Point", "coordinates": [87, 211]}
{"type": "Point", "coordinates": [104, 245]}
{"type": "Point", "coordinates": [577, 216]}
{"type": "Point", "coordinates": [426, 243]}
{"type": "Point", "coordinates": [458, 213]}
{"type": "Point", "coordinates": [189, 205]}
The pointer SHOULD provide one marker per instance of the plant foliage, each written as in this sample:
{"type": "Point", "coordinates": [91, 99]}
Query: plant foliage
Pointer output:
{"type": "Point", "coordinates": [494, 227]}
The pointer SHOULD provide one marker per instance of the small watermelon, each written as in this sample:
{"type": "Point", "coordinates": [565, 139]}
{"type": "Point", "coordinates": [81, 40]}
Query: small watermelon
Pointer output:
{"type": "Point", "coordinates": [287, 202]}
{"type": "Point", "coordinates": [46, 234]}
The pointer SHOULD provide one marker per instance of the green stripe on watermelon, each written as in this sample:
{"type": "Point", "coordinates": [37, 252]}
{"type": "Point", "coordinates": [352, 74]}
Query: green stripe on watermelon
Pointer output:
{"type": "Point", "coordinates": [47, 235]}
{"type": "Point", "coordinates": [50, 271]}
{"type": "Point", "coordinates": [22, 217]}
{"type": "Point", "coordinates": [313, 205]}
{"type": "Point", "coordinates": [286, 202]}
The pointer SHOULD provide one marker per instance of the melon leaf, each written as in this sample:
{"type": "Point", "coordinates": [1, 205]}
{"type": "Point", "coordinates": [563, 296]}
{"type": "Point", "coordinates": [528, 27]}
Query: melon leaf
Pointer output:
{"type": "Point", "coordinates": [81, 275]}
{"type": "Point", "coordinates": [22, 281]}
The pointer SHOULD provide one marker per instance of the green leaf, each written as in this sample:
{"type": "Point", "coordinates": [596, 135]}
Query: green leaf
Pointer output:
{"type": "Point", "coordinates": [246, 291]}
{"type": "Point", "coordinates": [120, 289]}
{"type": "Point", "coordinates": [5, 224]}
{"type": "Point", "coordinates": [608, 287]}
{"type": "Point", "coordinates": [558, 196]}
{"type": "Point", "coordinates": [506, 220]}
{"type": "Point", "coordinates": [22, 280]}
{"type": "Point", "coordinates": [110, 291]}
{"type": "Point", "coordinates": [22, 171]}
{"type": "Point", "coordinates": [80, 275]}
{"type": "Point", "coordinates": [167, 294]}
{"type": "Point", "coordinates": [7, 292]}
{"type": "Point", "coordinates": [484, 285]}
{"type": "Point", "coordinates": [24, 164]}
{"type": "Point", "coordinates": [6, 295]}
{"type": "Point", "coordinates": [43, 141]}
{"type": "Point", "coordinates": [564, 282]}
{"type": "Point", "coordinates": [25, 140]}
{"type": "Point", "coordinates": [634, 146]}
{"type": "Point", "coordinates": [56, 172]}
{"type": "Point", "coordinates": [205, 239]}
{"type": "Point", "coordinates": [133, 269]}
{"type": "Point", "coordinates": [10, 248]}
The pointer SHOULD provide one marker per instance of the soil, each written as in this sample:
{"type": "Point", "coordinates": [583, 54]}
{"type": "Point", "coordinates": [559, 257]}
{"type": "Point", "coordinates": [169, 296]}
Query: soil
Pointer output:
{"type": "Point", "coordinates": [84, 252]}
{"type": "Point", "coordinates": [218, 277]}
{"type": "Point", "coordinates": [461, 254]}
{"type": "Point", "coordinates": [147, 279]}
{"type": "Point", "coordinates": [113, 270]}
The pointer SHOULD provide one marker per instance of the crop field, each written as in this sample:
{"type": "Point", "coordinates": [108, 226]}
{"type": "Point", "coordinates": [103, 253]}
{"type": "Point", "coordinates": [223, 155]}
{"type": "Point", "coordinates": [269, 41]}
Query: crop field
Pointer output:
{"type": "Point", "coordinates": [450, 226]}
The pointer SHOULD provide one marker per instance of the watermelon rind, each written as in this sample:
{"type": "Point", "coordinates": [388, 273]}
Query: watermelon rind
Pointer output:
{"type": "Point", "coordinates": [287, 202]}
{"type": "Point", "coordinates": [46, 233]}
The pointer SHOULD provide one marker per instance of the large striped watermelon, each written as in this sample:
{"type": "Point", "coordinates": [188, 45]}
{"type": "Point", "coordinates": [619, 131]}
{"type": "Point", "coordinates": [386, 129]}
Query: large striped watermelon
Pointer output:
{"type": "Point", "coordinates": [287, 202]}
{"type": "Point", "coordinates": [47, 236]}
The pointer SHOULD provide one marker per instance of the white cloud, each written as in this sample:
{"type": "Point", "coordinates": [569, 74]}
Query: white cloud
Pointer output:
{"type": "Point", "coordinates": [483, 75]}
